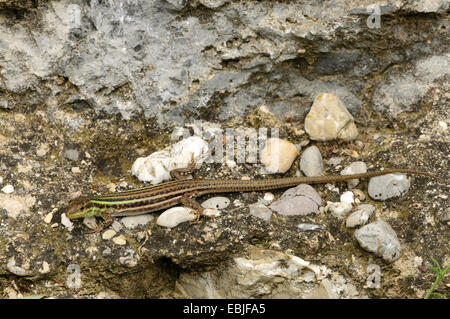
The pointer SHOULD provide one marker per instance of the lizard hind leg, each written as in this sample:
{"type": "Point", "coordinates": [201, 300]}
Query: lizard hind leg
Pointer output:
{"type": "Point", "coordinates": [193, 204]}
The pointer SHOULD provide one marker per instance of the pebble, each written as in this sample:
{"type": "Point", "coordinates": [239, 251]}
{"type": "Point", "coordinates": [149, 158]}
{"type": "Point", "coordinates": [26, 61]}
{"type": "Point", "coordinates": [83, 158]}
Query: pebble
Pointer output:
{"type": "Point", "coordinates": [379, 238]}
{"type": "Point", "coordinates": [213, 4]}
{"type": "Point", "coordinates": [347, 197]}
{"type": "Point", "coordinates": [156, 167]}
{"type": "Point", "coordinates": [231, 163]}
{"type": "Point", "coordinates": [310, 227]}
{"type": "Point", "coordinates": [66, 222]}
{"type": "Point", "coordinates": [45, 268]}
{"type": "Point", "coordinates": [42, 150]}
{"type": "Point", "coordinates": [334, 161]}
{"type": "Point", "coordinates": [48, 218]}
{"type": "Point", "coordinates": [116, 226]}
{"type": "Point", "coordinates": [212, 212]}
{"type": "Point", "coordinates": [354, 168]}
{"type": "Point", "coordinates": [132, 222]}
{"type": "Point", "coordinates": [359, 194]}
{"type": "Point", "coordinates": [108, 234]}
{"type": "Point", "coordinates": [387, 186]}
{"type": "Point", "coordinates": [174, 216]}
{"type": "Point", "coordinates": [338, 209]}
{"type": "Point", "coordinates": [260, 211]}
{"type": "Point", "coordinates": [329, 119]}
{"type": "Point", "coordinates": [268, 197]}
{"type": "Point", "coordinates": [16, 205]}
{"type": "Point", "coordinates": [278, 155]}
{"type": "Point", "coordinates": [216, 202]}
{"type": "Point", "coordinates": [300, 200]}
{"type": "Point", "coordinates": [90, 222]}
{"type": "Point", "coordinates": [120, 240]}
{"type": "Point", "coordinates": [71, 155]}
{"type": "Point", "coordinates": [311, 162]}
{"type": "Point", "coordinates": [17, 270]}
{"type": "Point", "coordinates": [8, 189]}
{"type": "Point", "coordinates": [76, 170]}
{"type": "Point", "coordinates": [1, 179]}
{"type": "Point", "coordinates": [360, 216]}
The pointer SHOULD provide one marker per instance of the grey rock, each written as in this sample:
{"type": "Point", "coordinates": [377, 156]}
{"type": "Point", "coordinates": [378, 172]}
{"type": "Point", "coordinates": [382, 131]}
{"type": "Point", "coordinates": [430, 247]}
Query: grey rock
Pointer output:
{"type": "Point", "coordinates": [401, 92]}
{"type": "Point", "coordinates": [260, 211]}
{"type": "Point", "coordinates": [311, 162]}
{"type": "Point", "coordinates": [212, 4]}
{"type": "Point", "coordinates": [71, 155]}
{"type": "Point", "coordinates": [177, 4]}
{"type": "Point", "coordinates": [379, 238]}
{"type": "Point", "coordinates": [309, 227]}
{"type": "Point", "coordinates": [300, 200]}
{"type": "Point", "coordinates": [387, 186]}
{"type": "Point", "coordinates": [152, 58]}
{"type": "Point", "coordinates": [354, 168]}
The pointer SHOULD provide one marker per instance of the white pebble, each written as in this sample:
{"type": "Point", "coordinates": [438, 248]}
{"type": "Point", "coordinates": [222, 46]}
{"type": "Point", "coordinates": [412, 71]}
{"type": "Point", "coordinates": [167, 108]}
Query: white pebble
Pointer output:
{"type": "Point", "coordinates": [16, 270]}
{"type": "Point", "coordinates": [212, 212]}
{"type": "Point", "coordinates": [131, 222]}
{"type": "Point", "coordinates": [217, 202]}
{"type": "Point", "coordinates": [48, 218]}
{"type": "Point", "coordinates": [90, 222]}
{"type": "Point", "coordinates": [269, 197]}
{"type": "Point", "coordinates": [45, 268]}
{"type": "Point", "coordinates": [156, 167]}
{"type": "Point", "coordinates": [120, 240]}
{"type": "Point", "coordinates": [66, 222]}
{"type": "Point", "coordinates": [76, 170]}
{"type": "Point", "coordinates": [338, 210]}
{"type": "Point", "coordinates": [347, 197]}
{"type": "Point", "coordinates": [108, 234]}
{"type": "Point", "coordinates": [278, 155]}
{"type": "Point", "coordinates": [1, 179]}
{"type": "Point", "coordinates": [8, 189]}
{"type": "Point", "coordinates": [230, 163]}
{"type": "Point", "coordinates": [175, 216]}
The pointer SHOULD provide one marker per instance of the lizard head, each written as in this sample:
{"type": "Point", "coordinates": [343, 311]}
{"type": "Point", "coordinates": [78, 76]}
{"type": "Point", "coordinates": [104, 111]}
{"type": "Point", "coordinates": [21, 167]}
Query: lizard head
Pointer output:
{"type": "Point", "coordinates": [76, 207]}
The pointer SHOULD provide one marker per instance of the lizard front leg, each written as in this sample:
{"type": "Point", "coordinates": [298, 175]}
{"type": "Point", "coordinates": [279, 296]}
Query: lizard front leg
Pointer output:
{"type": "Point", "coordinates": [107, 221]}
{"type": "Point", "coordinates": [182, 173]}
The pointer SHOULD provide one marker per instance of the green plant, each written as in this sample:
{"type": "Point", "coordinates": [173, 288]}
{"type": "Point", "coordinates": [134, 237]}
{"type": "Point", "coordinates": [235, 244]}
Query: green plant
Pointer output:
{"type": "Point", "coordinates": [440, 273]}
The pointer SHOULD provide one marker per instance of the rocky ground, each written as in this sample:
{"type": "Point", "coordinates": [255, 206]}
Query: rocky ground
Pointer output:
{"type": "Point", "coordinates": [80, 100]}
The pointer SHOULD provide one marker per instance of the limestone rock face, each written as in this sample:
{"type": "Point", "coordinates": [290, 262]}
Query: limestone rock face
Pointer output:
{"type": "Point", "coordinates": [329, 119]}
